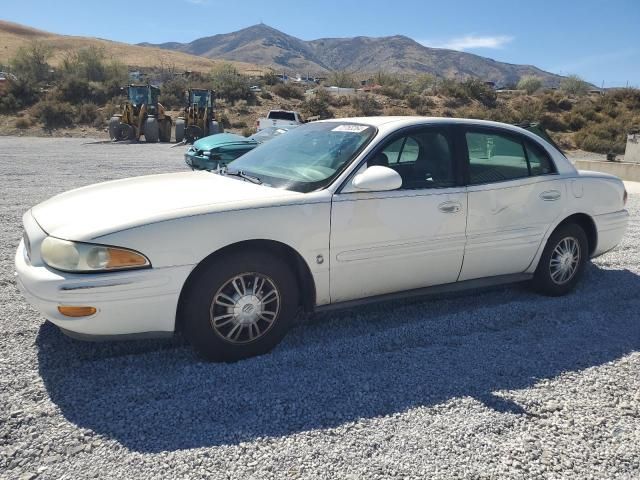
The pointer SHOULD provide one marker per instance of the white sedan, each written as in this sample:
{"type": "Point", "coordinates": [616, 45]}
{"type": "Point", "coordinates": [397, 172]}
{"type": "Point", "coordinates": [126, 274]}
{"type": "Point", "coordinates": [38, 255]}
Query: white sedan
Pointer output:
{"type": "Point", "coordinates": [333, 213]}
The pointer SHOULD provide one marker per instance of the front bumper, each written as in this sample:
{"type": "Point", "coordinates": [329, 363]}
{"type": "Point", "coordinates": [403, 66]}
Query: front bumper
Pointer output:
{"type": "Point", "coordinates": [130, 303]}
{"type": "Point", "coordinates": [200, 162]}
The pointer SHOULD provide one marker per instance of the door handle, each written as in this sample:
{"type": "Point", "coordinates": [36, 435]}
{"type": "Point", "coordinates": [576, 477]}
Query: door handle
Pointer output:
{"type": "Point", "coordinates": [449, 207]}
{"type": "Point", "coordinates": [550, 195]}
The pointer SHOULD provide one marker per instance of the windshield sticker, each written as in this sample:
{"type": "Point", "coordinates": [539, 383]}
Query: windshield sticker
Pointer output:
{"type": "Point", "coordinates": [350, 128]}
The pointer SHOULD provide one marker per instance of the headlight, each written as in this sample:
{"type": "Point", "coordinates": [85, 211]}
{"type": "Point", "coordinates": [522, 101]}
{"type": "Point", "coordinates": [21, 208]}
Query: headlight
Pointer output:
{"type": "Point", "coordinates": [86, 257]}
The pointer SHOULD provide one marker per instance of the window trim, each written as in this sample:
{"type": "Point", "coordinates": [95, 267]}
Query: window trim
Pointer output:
{"type": "Point", "coordinates": [514, 136]}
{"type": "Point", "coordinates": [450, 131]}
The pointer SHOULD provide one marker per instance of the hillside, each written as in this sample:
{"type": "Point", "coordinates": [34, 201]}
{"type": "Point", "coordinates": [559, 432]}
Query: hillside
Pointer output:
{"type": "Point", "coordinates": [13, 36]}
{"type": "Point", "coordinates": [264, 45]}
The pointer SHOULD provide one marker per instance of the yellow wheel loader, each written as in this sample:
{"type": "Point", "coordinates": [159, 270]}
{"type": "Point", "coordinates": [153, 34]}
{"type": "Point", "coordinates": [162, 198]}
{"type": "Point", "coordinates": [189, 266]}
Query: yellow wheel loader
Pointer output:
{"type": "Point", "coordinates": [142, 115]}
{"type": "Point", "coordinates": [198, 119]}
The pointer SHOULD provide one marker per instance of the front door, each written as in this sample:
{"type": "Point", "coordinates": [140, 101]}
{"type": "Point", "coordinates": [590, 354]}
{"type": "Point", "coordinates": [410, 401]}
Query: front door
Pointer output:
{"type": "Point", "coordinates": [384, 242]}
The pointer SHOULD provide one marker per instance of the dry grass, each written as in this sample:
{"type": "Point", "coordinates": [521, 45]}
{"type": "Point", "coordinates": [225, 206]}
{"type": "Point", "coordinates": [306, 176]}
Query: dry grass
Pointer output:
{"type": "Point", "coordinates": [13, 36]}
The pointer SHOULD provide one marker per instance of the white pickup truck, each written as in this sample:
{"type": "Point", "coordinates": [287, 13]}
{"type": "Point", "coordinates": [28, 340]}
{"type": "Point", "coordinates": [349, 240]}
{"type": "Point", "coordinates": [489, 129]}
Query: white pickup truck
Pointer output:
{"type": "Point", "coordinates": [279, 118]}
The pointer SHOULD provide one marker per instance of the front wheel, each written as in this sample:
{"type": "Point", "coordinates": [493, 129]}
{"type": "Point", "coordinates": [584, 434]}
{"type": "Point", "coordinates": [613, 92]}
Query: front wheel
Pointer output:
{"type": "Point", "coordinates": [180, 126]}
{"type": "Point", "coordinates": [151, 130]}
{"type": "Point", "coordinates": [239, 306]}
{"type": "Point", "coordinates": [562, 261]}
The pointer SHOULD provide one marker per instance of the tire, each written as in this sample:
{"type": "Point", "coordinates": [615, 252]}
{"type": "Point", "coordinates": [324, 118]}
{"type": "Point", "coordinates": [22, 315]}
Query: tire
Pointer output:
{"type": "Point", "coordinates": [180, 125]}
{"type": "Point", "coordinates": [549, 278]}
{"type": "Point", "coordinates": [211, 293]}
{"type": "Point", "coordinates": [151, 130]}
{"type": "Point", "coordinates": [114, 124]}
{"type": "Point", "coordinates": [214, 127]}
{"type": "Point", "coordinates": [165, 130]}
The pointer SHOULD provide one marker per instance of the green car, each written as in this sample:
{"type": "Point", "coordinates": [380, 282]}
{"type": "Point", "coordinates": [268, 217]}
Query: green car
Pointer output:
{"type": "Point", "coordinates": [208, 152]}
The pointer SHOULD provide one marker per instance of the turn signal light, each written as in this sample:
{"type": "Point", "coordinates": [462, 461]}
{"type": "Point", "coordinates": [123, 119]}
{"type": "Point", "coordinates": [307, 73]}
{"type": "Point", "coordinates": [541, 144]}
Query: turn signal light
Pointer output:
{"type": "Point", "coordinates": [76, 312]}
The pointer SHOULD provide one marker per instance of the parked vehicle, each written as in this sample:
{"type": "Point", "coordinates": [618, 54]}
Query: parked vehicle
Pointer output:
{"type": "Point", "coordinates": [279, 118]}
{"type": "Point", "coordinates": [223, 148]}
{"type": "Point", "coordinates": [198, 119]}
{"type": "Point", "coordinates": [333, 213]}
{"type": "Point", "coordinates": [141, 115]}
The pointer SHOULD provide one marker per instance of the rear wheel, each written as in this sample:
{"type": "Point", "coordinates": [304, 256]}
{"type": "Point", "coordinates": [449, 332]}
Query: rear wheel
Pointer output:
{"type": "Point", "coordinates": [180, 125]}
{"type": "Point", "coordinates": [151, 130]}
{"type": "Point", "coordinates": [240, 306]}
{"type": "Point", "coordinates": [562, 261]}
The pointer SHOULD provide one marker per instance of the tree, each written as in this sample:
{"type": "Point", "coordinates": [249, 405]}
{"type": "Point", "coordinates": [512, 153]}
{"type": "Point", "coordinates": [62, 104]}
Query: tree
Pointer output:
{"type": "Point", "coordinates": [530, 84]}
{"type": "Point", "coordinates": [574, 85]}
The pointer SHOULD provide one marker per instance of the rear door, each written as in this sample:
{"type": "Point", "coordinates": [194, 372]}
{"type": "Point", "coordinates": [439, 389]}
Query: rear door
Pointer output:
{"type": "Point", "coordinates": [514, 196]}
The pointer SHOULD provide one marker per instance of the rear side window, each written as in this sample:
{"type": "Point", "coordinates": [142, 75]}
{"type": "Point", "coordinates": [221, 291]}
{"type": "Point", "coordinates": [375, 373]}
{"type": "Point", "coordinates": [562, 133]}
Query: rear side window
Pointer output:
{"type": "Point", "coordinates": [538, 160]}
{"type": "Point", "coordinates": [494, 157]}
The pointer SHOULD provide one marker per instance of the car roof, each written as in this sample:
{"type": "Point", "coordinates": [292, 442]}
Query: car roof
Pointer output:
{"type": "Point", "coordinates": [401, 121]}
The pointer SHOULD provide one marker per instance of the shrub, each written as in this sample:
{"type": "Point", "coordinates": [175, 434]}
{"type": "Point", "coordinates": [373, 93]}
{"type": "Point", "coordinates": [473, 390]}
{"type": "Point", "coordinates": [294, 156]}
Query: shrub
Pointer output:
{"type": "Point", "coordinates": [398, 91]}
{"type": "Point", "coordinates": [55, 114]}
{"type": "Point", "coordinates": [288, 90]}
{"type": "Point", "coordinates": [342, 78]}
{"type": "Point", "coordinates": [365, 105]}
{"type": "Point", "coordinates": [530, 84]}
{"type": "Point", "coordinates": [476, 89]}
{"type": "Point", "coordinates": [230, 85]}
{"type": "Point", "coordinates": [270, 78]}
{"type": "Point", "coordinates": [22, 123]}
{"type": "Point", "coordinates": [78, 90]}
{"type": "Point", "coordinates": [30, 63]}
{"type": "Point", "coordinates": [239, 124]}
{"type": "Point", "coordinates": [88, 114]}
{"type": "Point", "coordinates": [553, 123]}
{"type": "Point", "coordinates": [266, 95]}
{"type": "Point", "coordinates": [172, 93]}
{"type": "Point", "coordinates": [247, 131]}
{"type": "Point", "coordinates": [575, 121]}
{"type": "Point", "coordinates": [602, 137]}
{"type": "Point", "coordinates": [223, 120]}
{"type": "Point", "coordinates": [574, 85]}
{"type": "Point", "coordinates": [423, 82]}
{"type": "Point", "coordinates": [318, 105]}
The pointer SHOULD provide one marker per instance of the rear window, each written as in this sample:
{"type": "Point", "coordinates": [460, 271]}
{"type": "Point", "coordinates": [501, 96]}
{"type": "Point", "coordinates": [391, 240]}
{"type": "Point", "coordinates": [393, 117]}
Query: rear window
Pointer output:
{"type": "Point", "coordinates": [279, 115]}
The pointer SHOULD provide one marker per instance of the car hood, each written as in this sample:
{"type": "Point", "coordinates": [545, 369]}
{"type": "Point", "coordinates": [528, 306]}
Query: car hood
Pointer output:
{"type": "Point", "coordinates": [100, 209]}
{"type": "Point", "coordinates": [218, 140]}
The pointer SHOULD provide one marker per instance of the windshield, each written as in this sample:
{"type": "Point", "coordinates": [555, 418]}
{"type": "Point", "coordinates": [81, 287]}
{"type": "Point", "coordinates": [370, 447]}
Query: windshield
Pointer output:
{"type": "Point", "coordinates": [281, 115]}
{"type": "Point", "coordinates": [307, 158]}
{"type": "Point", "coordinates": [200, 98]}
{"type": "Point", "coordinates": [138, 95]}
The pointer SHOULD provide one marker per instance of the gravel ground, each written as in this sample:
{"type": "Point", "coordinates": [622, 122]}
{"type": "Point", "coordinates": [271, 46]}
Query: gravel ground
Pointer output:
{"type": "Point", "coordinates": [494, 384]}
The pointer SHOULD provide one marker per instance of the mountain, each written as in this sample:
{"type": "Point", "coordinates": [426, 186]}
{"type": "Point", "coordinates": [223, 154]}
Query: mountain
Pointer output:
{"type": "Point", "coordinates": [13, 36]}
{"type": "Point", "coordinates": [264, 45]}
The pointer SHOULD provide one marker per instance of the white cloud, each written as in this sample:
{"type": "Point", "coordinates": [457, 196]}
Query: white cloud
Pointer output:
{"type": "Point", "coordinates": [471, 41]}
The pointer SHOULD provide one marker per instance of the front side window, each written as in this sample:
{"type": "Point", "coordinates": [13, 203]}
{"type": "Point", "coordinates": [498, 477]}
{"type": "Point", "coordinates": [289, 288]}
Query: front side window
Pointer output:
{"type": "Point", "coordinates": [495, 158]}
{"type": "Point", "coordinates": [308, 157]}
{"type": "Point", "coordinates": [423, 159]}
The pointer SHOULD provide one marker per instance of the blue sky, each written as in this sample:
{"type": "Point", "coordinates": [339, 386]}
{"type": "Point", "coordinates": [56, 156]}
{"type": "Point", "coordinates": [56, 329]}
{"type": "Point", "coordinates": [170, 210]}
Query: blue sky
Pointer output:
{"type": "Point", "coordinates": [598, 40]}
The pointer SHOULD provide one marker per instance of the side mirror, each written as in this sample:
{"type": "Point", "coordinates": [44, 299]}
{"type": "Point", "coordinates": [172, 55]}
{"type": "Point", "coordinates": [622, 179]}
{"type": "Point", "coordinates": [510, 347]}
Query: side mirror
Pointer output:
{"type": "Point", "coordinates": [377, 179]}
